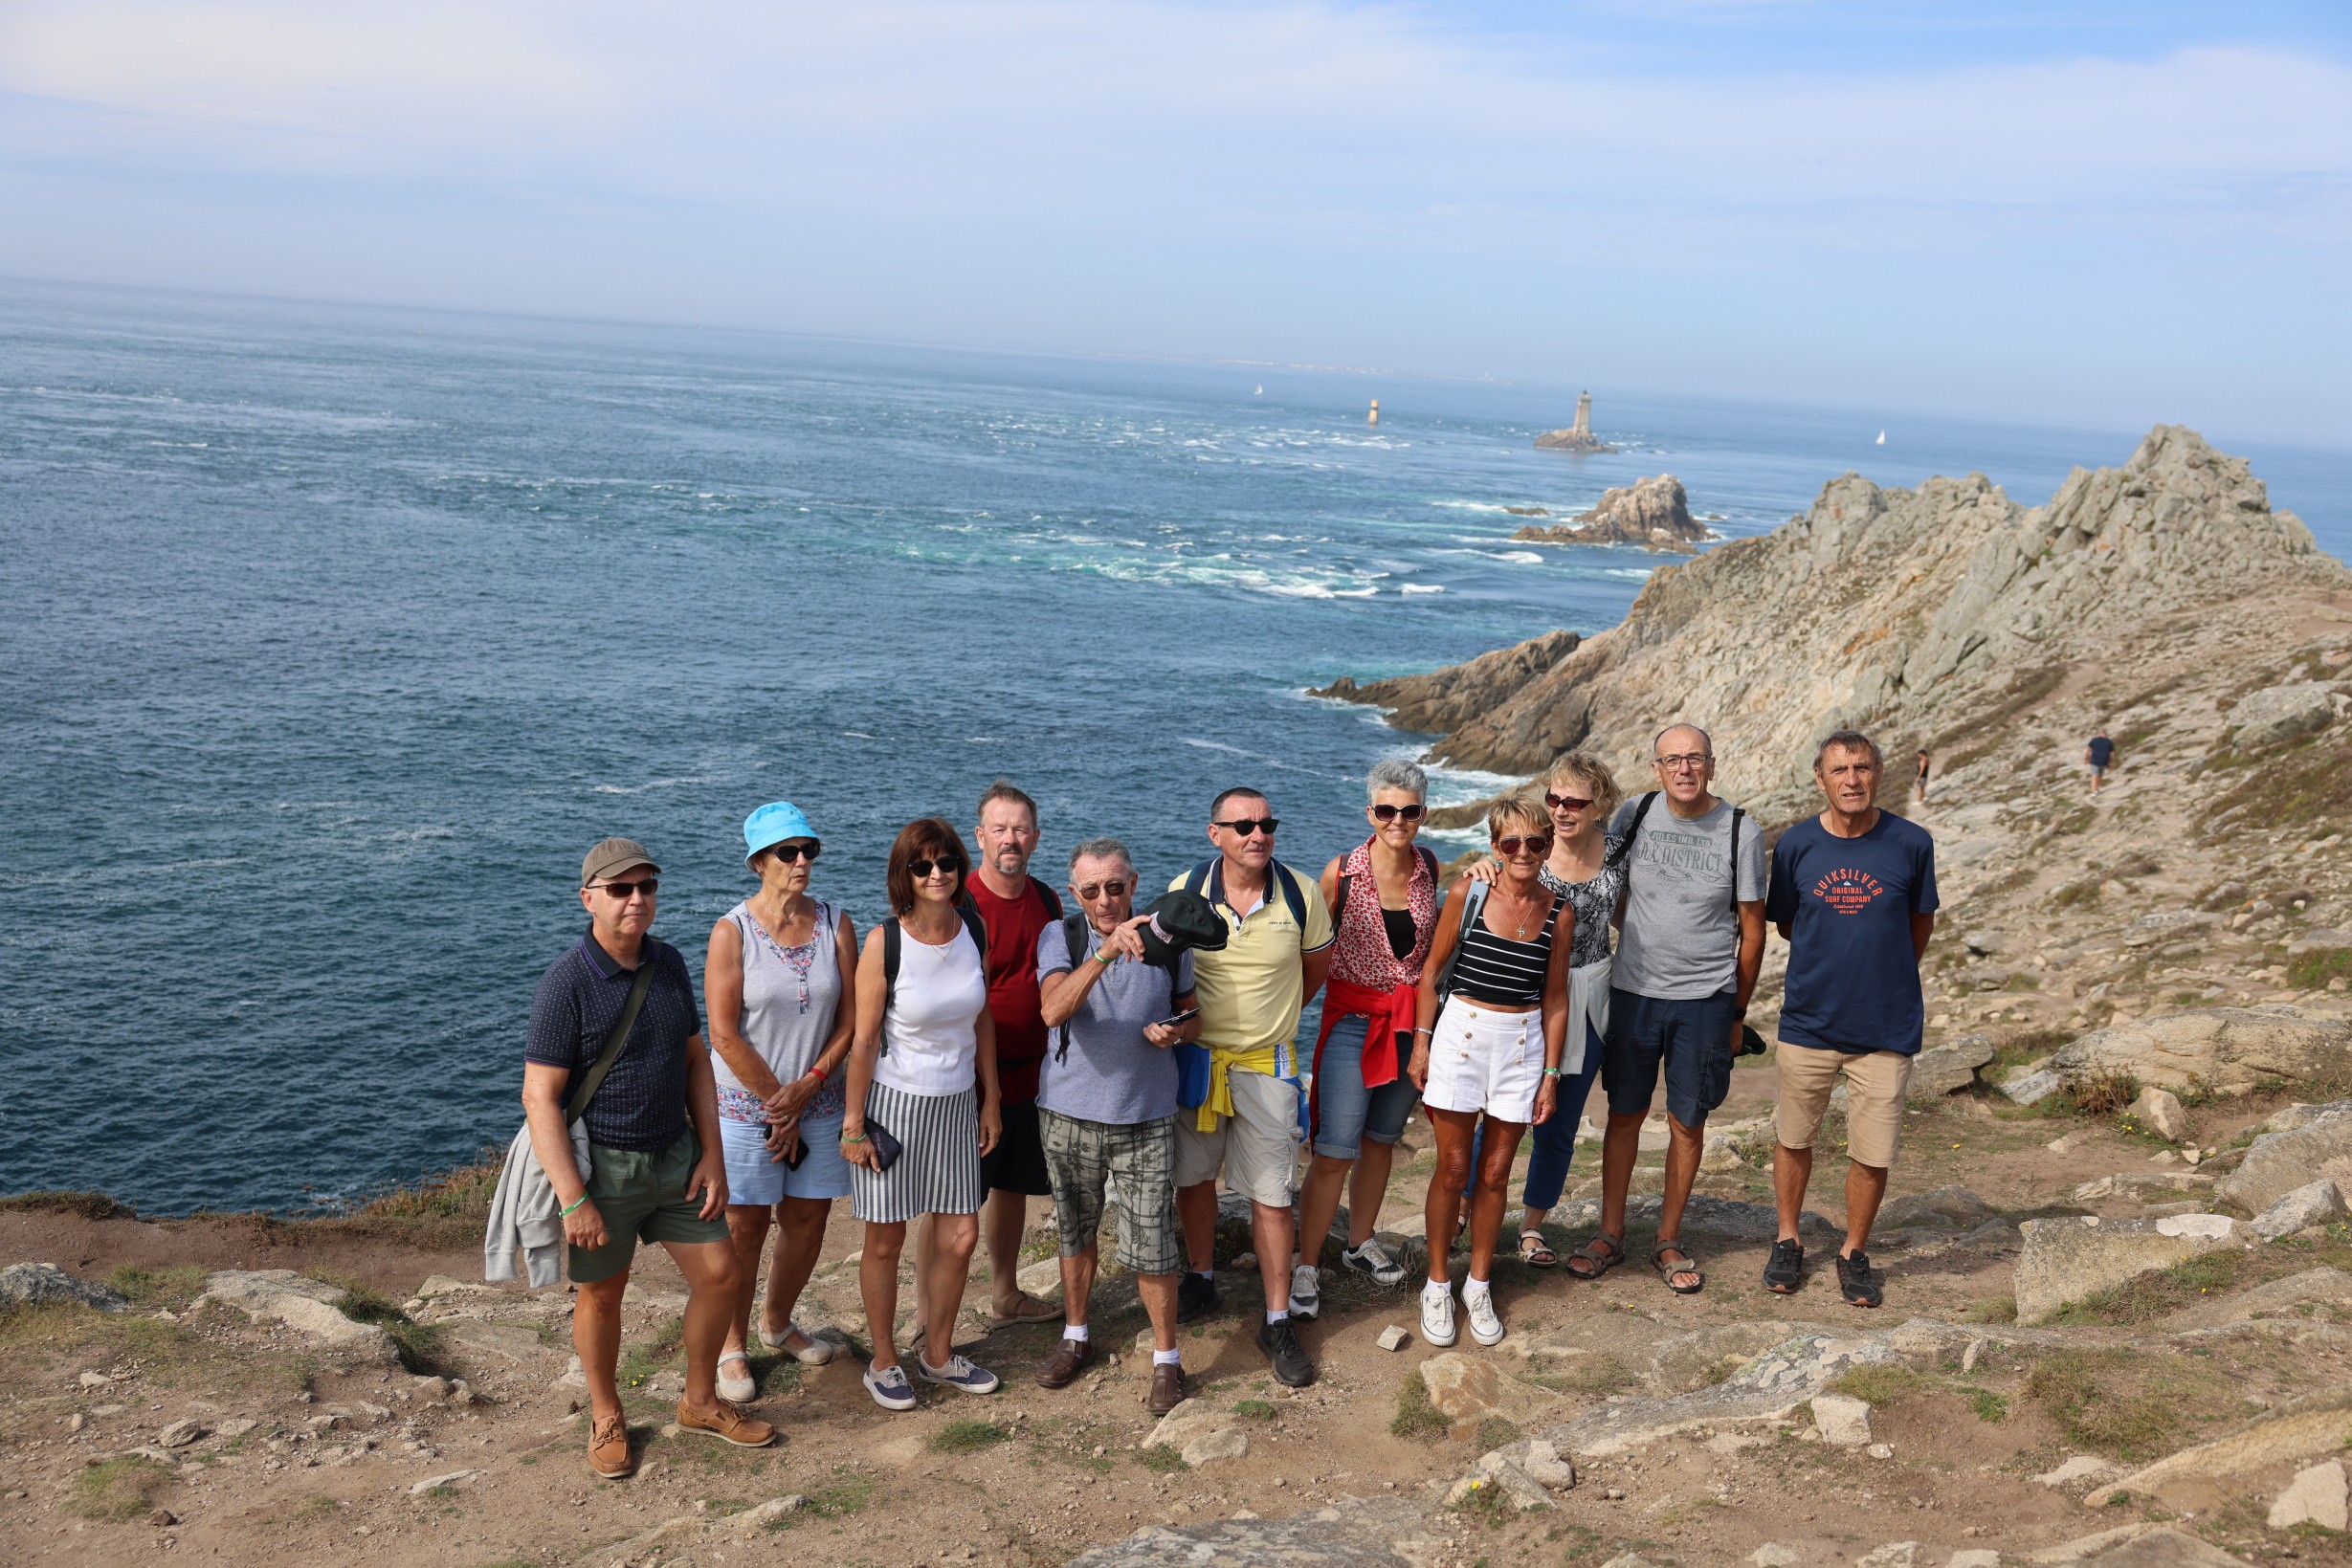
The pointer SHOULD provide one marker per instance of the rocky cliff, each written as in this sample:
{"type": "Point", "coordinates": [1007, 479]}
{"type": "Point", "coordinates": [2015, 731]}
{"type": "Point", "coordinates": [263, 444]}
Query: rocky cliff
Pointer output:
{"type": "Point", "coordinates": [1927, 615]}
{"type": "Point", "coordinates": [1653, 513]}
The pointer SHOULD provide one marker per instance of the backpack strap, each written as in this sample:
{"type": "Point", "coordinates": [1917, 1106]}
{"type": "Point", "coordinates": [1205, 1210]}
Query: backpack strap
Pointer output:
{"type": "Point", "coordinates": [1737, 812]}
{"type": "Point", "coordinates": [1293, 896]}
{"type": "Point", "coordinates": [1053, 900]}
{"type": "Point", "coordinates": [1074, 937]}
{"type": "Point", "coordinates": [1196, 880]}
{"type": "Point", "coordinates": [891, 938]}
{"type": "Point", "coordinates": [1632, 830]}
{"type": "Point", "coordinates": [1473, 901]}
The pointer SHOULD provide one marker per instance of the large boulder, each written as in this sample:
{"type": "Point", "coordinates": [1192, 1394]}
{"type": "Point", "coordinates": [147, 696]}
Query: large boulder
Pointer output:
{"type": "Point", "coordinates": [2226, 1050]}
{"type": "Point", "coordinates": [1769, 1388]}
{"type": "Point", "coordinates": [2277, 1164]}
{"type": "Point", "coordinates": [310, 1306]}
{"type": "Point", "coordinates": [1950, 1067]}
{"type": "Point", "coordinates": [46, 1285]}
{"type": "Point", "coordinates": [2281, 712]}
{"type": "Point", "coordinates": [2318, 1202]}
{"type": "Point", "coordinates": [2277, 1297]}
{"type": "Point", "coordinates": [2295, 1432]}
{"type": "Point", "coordinates": [2066, 1259]}
{"type": "Point", "coordinates": [1468, 1388]}
{"type": "Point", "coordinates": [1653, 513]}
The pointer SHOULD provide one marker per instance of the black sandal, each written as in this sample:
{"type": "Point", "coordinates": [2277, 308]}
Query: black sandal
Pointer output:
{"type": "Point", "coordinates": [1595, 1261]}
{"type": "Point", "coordinates": [1668, 1270]}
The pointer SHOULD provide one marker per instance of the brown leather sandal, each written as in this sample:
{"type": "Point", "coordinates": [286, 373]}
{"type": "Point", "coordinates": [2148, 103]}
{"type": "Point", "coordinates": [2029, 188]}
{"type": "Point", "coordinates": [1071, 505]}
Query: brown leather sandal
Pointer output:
{"type": "Point", "coordinates": [1596, 1262]}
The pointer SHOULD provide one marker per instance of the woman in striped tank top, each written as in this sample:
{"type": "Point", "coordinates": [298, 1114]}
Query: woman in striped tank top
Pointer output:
{"type": "Point", "coordinates": [1490, 1045]}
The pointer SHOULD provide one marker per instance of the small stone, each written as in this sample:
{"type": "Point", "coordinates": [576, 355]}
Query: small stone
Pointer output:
{"type": "Point", "coordinates": [1548, 1466]}
{"type": "Point", "coordinates": [1394, 1338]}
{"type": "Point", "coordinates": [2317, 1496]}
{"type": "Point", "coordinates": [180, 1434]}
{"type": "Point", "coordinates": [1244, 1262]}
{"type": "Point", "coordinates": [670, 1429]}
{"type": "Point", "coordinates": [75, 1421]}
{"type": "Point", "coordinates": [1613, 1494]}
{"type": "Point", "coordinates": [1969, 1356]}
{"type": "Point", "coordinates": [1974, 1556]}
{"type": "Point", "coordinates": [162, 1519]}
{"type": "Point", "coordinates": [1893, 1555]}
{"type": "Point", "coordinates": [2082, 1466]}
{"type": "Point", "coordinates": [1773, 1555]}
{"type": "Point", "coordinates": [1880, 1450]}
{"type": "Point", "coordinates": [238, 1427]}
{"type": "Point", "coordinates": [94, 1379]}
{"type": "Point", "coordinates": [1843, 1421]}
{"type": "Point", "coordinates": [2159, 1111]}
{"type": "Point", "coordinates": [1231, 1443]}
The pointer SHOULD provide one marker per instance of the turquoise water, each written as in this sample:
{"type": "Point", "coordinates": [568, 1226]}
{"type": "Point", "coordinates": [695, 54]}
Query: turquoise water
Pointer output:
{"type": "Point", "coordinates": [330, 636]}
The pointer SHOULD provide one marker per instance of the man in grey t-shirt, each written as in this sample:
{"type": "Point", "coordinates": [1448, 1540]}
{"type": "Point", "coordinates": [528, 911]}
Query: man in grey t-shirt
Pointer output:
{"type": "Point", "coordinates": [1106, 1105]}
{"type": "Point", "coordinates": [1693, 938]}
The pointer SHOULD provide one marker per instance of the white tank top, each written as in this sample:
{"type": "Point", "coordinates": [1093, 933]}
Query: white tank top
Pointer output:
{"type": "Point", "coordinates": [929, 1045]}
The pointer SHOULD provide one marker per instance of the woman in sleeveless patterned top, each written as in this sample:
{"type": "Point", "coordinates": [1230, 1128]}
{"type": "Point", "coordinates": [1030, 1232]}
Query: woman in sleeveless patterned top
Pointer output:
{"type": "Point", "coordinates": [1580, 794]}
{"type": "Point", "coordinates": [1381, 937]}
{"type": "Point", "coordinates": [780, 1026]}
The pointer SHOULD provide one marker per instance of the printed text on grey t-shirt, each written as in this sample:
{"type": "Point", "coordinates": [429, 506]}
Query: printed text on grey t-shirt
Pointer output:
{"type": "Point", "coordinates": [1680, 936]}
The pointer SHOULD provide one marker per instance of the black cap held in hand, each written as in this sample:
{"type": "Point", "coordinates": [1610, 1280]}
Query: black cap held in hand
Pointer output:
{"type": "Point", "coordinates": [1181, 920]}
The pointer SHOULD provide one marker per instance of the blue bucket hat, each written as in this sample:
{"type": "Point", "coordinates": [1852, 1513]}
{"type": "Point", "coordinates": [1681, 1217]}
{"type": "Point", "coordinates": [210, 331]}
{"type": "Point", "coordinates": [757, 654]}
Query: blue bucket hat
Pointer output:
{"type": "Point", "coordinates": [772, 824]}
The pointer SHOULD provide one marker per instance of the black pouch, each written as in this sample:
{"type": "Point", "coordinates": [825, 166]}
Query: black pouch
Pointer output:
{"type": "Point", "coordinates": [886, 1148]}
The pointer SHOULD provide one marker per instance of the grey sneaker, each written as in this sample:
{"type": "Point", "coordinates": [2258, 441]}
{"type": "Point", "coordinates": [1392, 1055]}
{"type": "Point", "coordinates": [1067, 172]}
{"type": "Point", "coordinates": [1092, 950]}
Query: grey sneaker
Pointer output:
{"type": "Point", "coordinates": [890, 1388]}
{"type": "Point", "coordinates": [1306, 1291]}
{"type": "Point", "coordinates": [1373, 1259]}
{"type": "Point", "coordinates": [958, 1373]}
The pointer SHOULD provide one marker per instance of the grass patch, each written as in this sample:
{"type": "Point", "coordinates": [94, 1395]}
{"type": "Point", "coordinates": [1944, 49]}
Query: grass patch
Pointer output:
{"type": "Point", "coordinates": [1255, 1409]}
{"type": "Point", "coordinates": [172, 1287]}
{"type": "Point", "coordinates": [1415, 1416]}
{"type": "Point", "coordinates": [118, 1491]}
{"type": "Point", "coordinates": [1493, 1432]}
{"type": "Point", "coordinates": [968, 1436]}
{"type": "Point", "coordinates": [640, 1361]}
{"type": "Point", "coordinates": [1989, 1405]}
{"type": "Point", "coordinates": [419, 1344]}
{"type": "Point", "coordinates": [2105, 1095]}
{"type": "Point", "coordinates": [461, 1192]}
{"type": "Point", "coordinates": [1992, 1308]}
{"type": "Point", "coordinates": [2307, 782]}
{"type": "Point", "coordinates": [81, 1205]}
{"type": "Point", "coordinates": [1161, 1458]}
{"type": "Point", "coordinates": [2074, 893]}
{"type": "Point", "coordinates": [1598, 1376]}
{"type": "Point", "coordinates": [1881, 1383]}
{"type": "Point", "coordinates": [849, 1494]}
{"type": "Point", "coordinates": [2127, 1404]}
{"type": "Point", "coordinates": [2312, 971]}
{"type": "Point", "coordinates": [2153, 1295]}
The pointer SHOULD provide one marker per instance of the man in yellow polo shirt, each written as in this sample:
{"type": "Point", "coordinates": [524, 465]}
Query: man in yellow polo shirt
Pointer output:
{"type": "Point", "coordinates": [1250, 995]}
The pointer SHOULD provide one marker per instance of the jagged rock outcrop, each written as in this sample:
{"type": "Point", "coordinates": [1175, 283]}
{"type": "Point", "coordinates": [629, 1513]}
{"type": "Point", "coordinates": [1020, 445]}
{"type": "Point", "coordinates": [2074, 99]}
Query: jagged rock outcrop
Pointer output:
{"type": "Point", "coordinates": [1926, 613]}
{"type": "Point", "coordinates": [1653, 513]}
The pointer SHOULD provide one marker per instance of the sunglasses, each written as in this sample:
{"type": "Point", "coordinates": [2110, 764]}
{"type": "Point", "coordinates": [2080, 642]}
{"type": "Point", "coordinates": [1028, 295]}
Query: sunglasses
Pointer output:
{"type": "Point", "coordinates": [1246, 826]}
{"type": "Point", "coordinates": [1533, 844]}
{"type": "Point", "coordinates": [1389, 813]}
{"type": "Point", "coordinates": [625, 891]}
{"type": "Point", "coordinates": [925, 867]}
{"type": "Point", "coordinates": [789, 853]}
{"type": "Point", "coordinates": [1105, 890]}
{"type": "Point", "coordinates": [1566, 803]}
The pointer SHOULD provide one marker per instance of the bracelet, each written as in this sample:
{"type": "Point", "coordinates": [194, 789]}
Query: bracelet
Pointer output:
{"type": "Point", "coordinates": [1104, 957]}
{"type": "Point", "coordinates": [575, 1204]}
{"type": "Point", "coordinates": [816, 1072]}
{"type": "Point", "coordinates": [852, 1138]}
{"type": "Point", "coordinates": [1551, 1072]}
{"type": "Point", "coordinates": [1431, 1033]}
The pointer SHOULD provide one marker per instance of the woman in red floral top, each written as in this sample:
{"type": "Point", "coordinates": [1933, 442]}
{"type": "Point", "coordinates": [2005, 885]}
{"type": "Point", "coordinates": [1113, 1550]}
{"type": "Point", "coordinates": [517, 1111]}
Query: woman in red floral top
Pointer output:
{"type": "Point", "coordinates": [1384, 900]}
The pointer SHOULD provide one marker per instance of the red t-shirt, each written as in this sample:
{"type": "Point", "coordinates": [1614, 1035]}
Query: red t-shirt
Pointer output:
{"type": "Point", "coordinates": [1015, 926]}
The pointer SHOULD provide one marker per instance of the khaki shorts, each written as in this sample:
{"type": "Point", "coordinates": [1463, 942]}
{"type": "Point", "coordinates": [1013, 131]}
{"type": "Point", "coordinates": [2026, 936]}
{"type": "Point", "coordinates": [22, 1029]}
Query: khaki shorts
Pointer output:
{"type": "Point", "coordinates": [642, 1197]}
{"type": "Point", "coordinates": [1256, 1146]}
{"type": "Point", "coordinates": [1874, 1085]}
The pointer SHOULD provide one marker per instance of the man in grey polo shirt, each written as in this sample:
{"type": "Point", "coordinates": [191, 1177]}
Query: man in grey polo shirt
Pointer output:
{"type": "Point", "coordinates": [1107, 1103]}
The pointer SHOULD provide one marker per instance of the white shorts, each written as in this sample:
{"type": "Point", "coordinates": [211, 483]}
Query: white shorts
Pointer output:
{"type": "Point", "coordinates": [1256, 1147]}
{"type": "Point", "coordinates": [1482, 1060]}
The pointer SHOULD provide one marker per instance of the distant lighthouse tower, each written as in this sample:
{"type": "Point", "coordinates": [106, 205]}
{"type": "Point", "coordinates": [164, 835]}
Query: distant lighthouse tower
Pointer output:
{"type": "Point", "coordinates": [1374, 417]}
{"type": "Point", "coordinates": [1583, 427]}
{"type": "Point", "coordinates": [1579, 437]}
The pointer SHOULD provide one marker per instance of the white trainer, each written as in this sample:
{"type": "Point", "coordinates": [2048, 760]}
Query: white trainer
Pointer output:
{"type": "Point", "coordinates": [1437, 1317]}
{"type": "Point", "coordinates": [1485, 1327]}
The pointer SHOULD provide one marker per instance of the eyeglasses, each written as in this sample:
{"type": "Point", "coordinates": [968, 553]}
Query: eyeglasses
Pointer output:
{"type": "Point", "coordinates": [1688, 759]}
{"type": "Point", "coordinates": [925, 867]}
{"type": "Point", "coordinates": [1102, 890]}
{"type": "Point", "coordinates": [1533, 844]}
{"type": "Point", "coordinates": [789, 853]}
{"type": "Point", "coordinates": [1389, 813]}
{"type": "Point", "coordinates": [1566, 803]}
{"type": "Point", "coordinates": [1246, 826]}
{"type": "Point", "coordinates": [625, 891]}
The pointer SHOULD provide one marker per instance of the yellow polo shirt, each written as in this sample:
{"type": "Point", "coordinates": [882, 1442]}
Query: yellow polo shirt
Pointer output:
{"type": "Point", "coordinates": [1251, 993]}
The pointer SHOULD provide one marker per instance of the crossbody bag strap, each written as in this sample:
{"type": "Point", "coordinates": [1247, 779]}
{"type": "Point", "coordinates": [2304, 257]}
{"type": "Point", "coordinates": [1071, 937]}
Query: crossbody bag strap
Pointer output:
{"type": "Point", "coordinates": [613, 1042]}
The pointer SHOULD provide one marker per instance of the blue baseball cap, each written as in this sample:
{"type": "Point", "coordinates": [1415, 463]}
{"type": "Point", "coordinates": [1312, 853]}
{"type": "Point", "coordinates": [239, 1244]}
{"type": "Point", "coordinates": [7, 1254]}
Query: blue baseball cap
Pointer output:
{"type": "Point", "coordinates": [772, 824]}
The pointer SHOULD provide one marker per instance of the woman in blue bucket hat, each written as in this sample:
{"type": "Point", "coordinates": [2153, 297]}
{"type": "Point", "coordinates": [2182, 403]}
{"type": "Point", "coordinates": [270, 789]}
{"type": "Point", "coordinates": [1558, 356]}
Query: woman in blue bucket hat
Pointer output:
{"type": "Point", "coordinates": [780, 1017]}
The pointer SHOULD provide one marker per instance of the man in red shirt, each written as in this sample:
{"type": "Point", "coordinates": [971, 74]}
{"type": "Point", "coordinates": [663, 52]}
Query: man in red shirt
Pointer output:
{"type": "Point", "coordinates": [1016, 909]}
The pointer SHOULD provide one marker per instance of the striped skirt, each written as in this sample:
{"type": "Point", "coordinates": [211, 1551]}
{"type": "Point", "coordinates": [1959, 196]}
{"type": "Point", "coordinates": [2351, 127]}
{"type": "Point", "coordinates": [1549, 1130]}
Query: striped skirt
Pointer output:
{"type": "Point", "coordinates": [937, 1168]}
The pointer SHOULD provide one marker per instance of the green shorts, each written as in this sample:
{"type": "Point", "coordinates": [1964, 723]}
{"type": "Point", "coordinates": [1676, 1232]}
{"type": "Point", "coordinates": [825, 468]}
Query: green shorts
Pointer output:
{"type": "Point", "coordinates": [642, 1197]}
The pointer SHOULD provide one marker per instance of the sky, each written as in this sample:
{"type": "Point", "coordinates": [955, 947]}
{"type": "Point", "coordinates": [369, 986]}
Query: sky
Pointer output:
{"type": "Point", "coordinates": [2100, 214]}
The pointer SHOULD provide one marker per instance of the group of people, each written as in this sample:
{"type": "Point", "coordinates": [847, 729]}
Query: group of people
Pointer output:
{"type": "Point", "coordinates": [987, 1042]}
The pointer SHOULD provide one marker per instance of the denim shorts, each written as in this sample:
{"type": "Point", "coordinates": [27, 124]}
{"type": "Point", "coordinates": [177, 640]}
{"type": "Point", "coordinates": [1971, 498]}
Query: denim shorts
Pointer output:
{"type": "Point", "coordinates": [1689, 1038]}
{"type": "Point", "coordinates": [756, 1178]}
{"type": "Point", "coordinates": [1346, 1112]}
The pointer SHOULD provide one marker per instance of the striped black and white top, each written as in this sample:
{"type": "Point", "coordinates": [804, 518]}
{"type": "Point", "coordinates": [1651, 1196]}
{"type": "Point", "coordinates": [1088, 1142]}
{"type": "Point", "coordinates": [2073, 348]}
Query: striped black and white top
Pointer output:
{"type": "Point", "coordinates": [1501, 971]}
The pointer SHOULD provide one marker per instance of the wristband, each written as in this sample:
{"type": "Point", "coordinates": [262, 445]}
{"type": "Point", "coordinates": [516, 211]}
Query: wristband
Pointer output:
{"type": "Point", "coordinates": [816, 1072]}
{"type": "Point", "coordinates": [852, 1138]}
{"type": "Point", "coordinates": [1104, 957]}
{"type": "Point", "coordinates": [575, 1204]}
{"type": "Point", "coordinates": [1551, 1072]}
{"type": "Point", "coordinates": [1430, 1032]}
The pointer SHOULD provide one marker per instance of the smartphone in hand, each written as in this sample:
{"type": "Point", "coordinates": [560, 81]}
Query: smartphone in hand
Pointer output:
{"type": "Point", "coordinates": [1182, 1018]}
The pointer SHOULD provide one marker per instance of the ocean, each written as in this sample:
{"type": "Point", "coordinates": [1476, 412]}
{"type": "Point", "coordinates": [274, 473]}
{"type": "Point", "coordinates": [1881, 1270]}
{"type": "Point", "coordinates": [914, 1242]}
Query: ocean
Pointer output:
{"type": "Point", "coordinates": [330, 636]}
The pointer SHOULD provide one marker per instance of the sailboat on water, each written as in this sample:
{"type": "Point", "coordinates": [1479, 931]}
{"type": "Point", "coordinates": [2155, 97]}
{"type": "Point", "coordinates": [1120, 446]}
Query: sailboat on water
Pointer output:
{"type": "Point", "coordinates": [1261, 390]}
{"type": "Point", "coordinates": [1883, 439]}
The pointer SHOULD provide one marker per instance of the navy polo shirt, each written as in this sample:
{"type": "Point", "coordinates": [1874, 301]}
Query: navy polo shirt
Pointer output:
{"type": "Point", "coordinates": [641, 1104]}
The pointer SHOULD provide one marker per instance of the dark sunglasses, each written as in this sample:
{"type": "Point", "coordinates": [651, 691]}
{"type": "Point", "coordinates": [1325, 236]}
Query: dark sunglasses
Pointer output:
{"type": "Point", "coordinates": [925, 867]}
{"type": "Point", "coordinates": [1246, 826]}
{"type": "Point", "coordinates": [623, 890]}
{"type": "Point", "coordinates": [1564, 803]}
{"type": "Point", "coordinates": [1106, 889]}
{"type": "Point", "coordinates": [1533, 844]}
{"type": "Point", "coordinates": [789, 853]}
{"type": "Point", "coordinates": [1389, 813]}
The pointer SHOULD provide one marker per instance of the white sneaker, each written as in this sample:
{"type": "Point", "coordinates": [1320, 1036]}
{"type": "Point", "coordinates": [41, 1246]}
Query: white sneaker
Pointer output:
{"type": "Point", "coordinates": [1437, 1317]}
{"type": "Point", "coordinates": [1373, 1259]}
{"type": "Point", "coordinates": [1306, 1284]}
{"type": "Point", "coordinates": [1484, 1326]}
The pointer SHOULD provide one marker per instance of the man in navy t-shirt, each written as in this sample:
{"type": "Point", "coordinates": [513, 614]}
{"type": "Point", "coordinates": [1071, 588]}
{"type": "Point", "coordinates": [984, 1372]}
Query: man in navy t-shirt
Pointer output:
{"type": "Point", "coordinates": [2097, 756]}
{"type": "Point", "coordinates": [1854, 895]}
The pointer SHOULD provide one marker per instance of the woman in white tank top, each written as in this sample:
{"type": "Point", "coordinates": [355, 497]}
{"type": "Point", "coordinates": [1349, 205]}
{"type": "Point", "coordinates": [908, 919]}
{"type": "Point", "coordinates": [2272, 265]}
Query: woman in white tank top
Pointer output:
{"type": "Point", "coordinates": [921, 1081]}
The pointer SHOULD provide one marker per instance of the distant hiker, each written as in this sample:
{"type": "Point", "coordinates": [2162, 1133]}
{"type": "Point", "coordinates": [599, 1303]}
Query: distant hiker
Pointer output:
{"type": "Point", "coordinates": [1248, 1122]}
{"type": "Point", "coordinates": [2099, 756]}
{"type": "Point", "coordinates": [1493, 1014]}
{"type": "Point", "coordinates": [921, 1106]}
{"type": "Point", "coordinates": [1919, 784]}
{"type": "Point", "coordinates": [620, 1000]}
{"type": "Point", "coordinates": [1686, 965]}
{"type": "Point", "coordinates": [1853, 894]}
{"type": "Point", "coordinates": [1383, 897]}
{"type": "Point", "coordinates": [774, 983]}
{"type": "Point", "coordinates": [1580, 794]}
{"type": "Point", "coordinates": [1108, 1106]}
